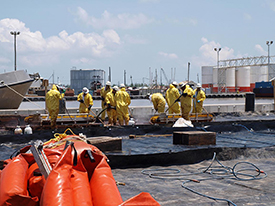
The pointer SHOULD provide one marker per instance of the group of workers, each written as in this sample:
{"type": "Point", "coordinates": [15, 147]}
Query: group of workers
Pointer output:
{"type": "Point", "coordinates": [173, 97]}
{"type": "Point", "coordinates": [116, 101]}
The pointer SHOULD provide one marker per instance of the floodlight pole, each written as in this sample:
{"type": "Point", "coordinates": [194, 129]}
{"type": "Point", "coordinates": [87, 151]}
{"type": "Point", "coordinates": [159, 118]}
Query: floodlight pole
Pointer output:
{"type": "Point", "coordinates": [14, 33]}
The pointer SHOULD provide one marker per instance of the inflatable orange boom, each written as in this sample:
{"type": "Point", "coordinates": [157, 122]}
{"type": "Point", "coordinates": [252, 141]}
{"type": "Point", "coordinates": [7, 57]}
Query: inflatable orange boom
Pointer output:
{"type": "Point", "coordinates": [79, 176]}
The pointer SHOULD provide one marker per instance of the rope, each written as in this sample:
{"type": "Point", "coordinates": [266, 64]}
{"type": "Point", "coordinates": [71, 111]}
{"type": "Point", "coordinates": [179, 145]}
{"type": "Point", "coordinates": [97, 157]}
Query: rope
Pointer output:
{"type": "Point", "coordinates": [243, 171]}
{"type": "Point", "coordinates": [60, 139]}
{"type": "Point", "coordinates": [22, 95]}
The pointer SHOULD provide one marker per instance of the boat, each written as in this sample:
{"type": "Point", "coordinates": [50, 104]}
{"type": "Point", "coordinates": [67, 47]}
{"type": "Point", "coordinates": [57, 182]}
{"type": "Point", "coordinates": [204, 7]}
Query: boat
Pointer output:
{"type": "Point", "coordinates": [13, 87]}
{"type": "Point", "coordinates": [66, 170]}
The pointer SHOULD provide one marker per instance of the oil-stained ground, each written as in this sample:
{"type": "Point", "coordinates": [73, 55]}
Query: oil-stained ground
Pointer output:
{"type": "Point", "coordinates": [247, 187]}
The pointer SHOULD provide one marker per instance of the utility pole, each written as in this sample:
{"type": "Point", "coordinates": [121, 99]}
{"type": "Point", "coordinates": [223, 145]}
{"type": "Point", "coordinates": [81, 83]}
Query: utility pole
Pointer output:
{"type": "Point", "coordinates": [160, 77]}
{"type": "Point", "coordinates": [125, 77]}
{"type": "Point", "coordinates": [156, 78]}
{"type": "Point", "coordinates": [150, 76]}
{"type": "Point", "coordinates": [188, 71]}
{"type": "Point", "coordinates": [14, 33]}
{"type": "Point", "coordinates": [131, 81]}
{"type": "Point", "coordinates": [109, 79]}
{"type": "Point", "coordinates": [219, 72]}
{"type": "Point", "coordinates": [268, 43]}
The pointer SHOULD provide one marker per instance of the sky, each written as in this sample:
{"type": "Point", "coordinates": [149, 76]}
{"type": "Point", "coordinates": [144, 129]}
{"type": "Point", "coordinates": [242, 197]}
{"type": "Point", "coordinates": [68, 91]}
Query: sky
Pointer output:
{"type": "Point", "coordinates": [132, 35]}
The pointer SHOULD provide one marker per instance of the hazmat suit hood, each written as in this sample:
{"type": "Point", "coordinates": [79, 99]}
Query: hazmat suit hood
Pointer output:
{"type": "Point", "coordinates": [123, 89]}
{"type": "Point", "coordinates": [54, 87]}
{"type": "Point", "coordinates": [171, 86]}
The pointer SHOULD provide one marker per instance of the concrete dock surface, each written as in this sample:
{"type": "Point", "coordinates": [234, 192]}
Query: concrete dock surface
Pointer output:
{"type": "Point", "coordinates": [221, 184]}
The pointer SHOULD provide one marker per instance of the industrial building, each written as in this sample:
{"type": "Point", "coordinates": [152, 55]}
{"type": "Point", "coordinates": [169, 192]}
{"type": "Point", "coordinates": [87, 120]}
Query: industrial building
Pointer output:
{"type": "Point", "coordinates": [90, 78]}
{"type": "Point", "coordinates": [237, 75]}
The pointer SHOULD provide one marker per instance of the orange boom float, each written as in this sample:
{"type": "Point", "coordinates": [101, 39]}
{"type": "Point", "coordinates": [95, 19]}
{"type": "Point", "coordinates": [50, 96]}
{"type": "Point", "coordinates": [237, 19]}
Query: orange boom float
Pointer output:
{"type": "Point", "coordinates": [79, 175]}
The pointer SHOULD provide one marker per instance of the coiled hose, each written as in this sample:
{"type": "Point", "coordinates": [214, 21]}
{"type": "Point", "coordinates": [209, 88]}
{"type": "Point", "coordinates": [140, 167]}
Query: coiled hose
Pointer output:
{"type": "Point", "coordinates": [243, 171]}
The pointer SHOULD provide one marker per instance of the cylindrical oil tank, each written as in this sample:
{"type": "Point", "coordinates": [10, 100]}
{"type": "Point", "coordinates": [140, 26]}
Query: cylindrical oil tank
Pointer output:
{"type": "Point", "coordinates": [258, 74]}
{"type": "Point", "coordinates": [243, 79]}
{"type": "Point", "coordinates": [230, 79]}
{"type": "Point", "coordinates": [215, 80]}
{"type": "Point", "coordinates": [207, 76]}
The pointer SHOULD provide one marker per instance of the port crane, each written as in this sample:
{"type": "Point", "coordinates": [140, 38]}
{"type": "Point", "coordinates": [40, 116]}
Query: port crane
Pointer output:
{"type": "Point", "coordinates": [163, 72]}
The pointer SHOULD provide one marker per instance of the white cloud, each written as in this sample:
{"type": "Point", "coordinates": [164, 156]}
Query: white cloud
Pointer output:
{"type": "Point", "coordinates": [260, 49]}
{"type": "Point", "coordinates": [270, 4]}
{"type": "Point", "coordinates": [108, 20]}
{"type": "Point", "coordinates": [247, 16]}
{"type": "Point", "coordinates": [34, 50]}
{"type": "Point", "coordinates": [167, 55]}
{"type": "Point", "coordinates": [208, 56]}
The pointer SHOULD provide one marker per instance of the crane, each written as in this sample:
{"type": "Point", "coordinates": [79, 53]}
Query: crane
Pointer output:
{"type": "Point", "coordinates": [165, 75]}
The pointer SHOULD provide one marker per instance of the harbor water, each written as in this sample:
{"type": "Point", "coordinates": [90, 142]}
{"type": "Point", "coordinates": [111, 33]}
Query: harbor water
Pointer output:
{"type": "Point", "coordinates": [146, 102]}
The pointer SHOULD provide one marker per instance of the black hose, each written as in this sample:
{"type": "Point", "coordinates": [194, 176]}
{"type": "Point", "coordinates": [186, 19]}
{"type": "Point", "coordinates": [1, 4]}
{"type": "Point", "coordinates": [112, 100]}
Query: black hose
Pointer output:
{"type": "Point", "coordinates": [97, 117]}
{"type": "Point", "coordinates": [243, 171]}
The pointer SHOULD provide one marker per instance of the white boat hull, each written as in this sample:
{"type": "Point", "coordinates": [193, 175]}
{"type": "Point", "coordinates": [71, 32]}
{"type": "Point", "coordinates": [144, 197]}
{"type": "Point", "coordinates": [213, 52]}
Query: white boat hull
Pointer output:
{"type": "Point", "coordinates": [13, 88]}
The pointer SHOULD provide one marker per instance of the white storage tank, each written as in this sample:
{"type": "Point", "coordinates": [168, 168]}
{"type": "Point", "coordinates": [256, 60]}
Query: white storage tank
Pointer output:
{"type": "Point", "coordinates": [215, 80]}
{"type": "Point", "coordinates": [243, 79]}
{"type": "Point", "coordinates": [207, 76]}
{"type": "Point", "coordinates": [230, 80]}
{"type": "Point", "coordinates": [271, 72]}
{"type": "Point", "coordinates": [258, 74]}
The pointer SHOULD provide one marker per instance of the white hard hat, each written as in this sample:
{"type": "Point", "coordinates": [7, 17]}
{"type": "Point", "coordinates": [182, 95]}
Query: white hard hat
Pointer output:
{"type": "Point", "coordinates": [108, 83]}
{"type": "Point", "coordinates": [182, 84]}
{"type": "Point", "coordinates": [85, 90]}
{"type": "Point", "coordinates": [175, 83]}
{"type": "Point", "coordinates": [115, 88]}
{"type": "Point", "coordinates": [198, 85]}
{"type": "Point", "coordinates": [122, 85]}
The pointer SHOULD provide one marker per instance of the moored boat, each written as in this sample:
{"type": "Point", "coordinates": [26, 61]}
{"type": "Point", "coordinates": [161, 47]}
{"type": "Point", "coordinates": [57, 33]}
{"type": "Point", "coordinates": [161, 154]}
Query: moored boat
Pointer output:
{"type": "Point", "coordinates": [13, 87]}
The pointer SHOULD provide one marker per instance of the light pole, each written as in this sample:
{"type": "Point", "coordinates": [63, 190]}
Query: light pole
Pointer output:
{"type": "Point", "coordinates": [218, 52]}
{"type": "Point", "coordinates": [15, 33]}
{"type": "Point", "coordinates": [218, 70]}
{"type": "Point", "coordinates": [268, 43]}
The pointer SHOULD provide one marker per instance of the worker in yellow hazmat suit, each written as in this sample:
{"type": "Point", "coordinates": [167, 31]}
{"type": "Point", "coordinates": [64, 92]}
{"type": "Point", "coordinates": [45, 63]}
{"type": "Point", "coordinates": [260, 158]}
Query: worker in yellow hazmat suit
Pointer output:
{"type": "Point", "coordinates": [86, 101]}
{"type": "Point", "coordinates": [103, 93]}
{"type": "Point", "coordinates": [158, 101]}
{"type": "Point", "coordinates": [110, 100]}
{"type": "Point", "coordinates": [122, 102]}
{"type": "Point", "coordinates": [172, 94]}
{"type": "Point", "coordinates": [52, 101]}
{"type": "Point", "coordinates": [198, 98]}
{"type": "Point", "coordinates": [186, 100]}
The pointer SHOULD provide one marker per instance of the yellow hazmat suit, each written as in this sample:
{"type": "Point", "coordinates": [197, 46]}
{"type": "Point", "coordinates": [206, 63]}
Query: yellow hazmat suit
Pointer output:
{"type": "Point", "coordinates": [186, 102]}
{"type": "Point", "coordinates": [198, 100]}
{"type": "Point", "coordinates": [52, 101]}
{"type": "Point", "coordinates": [158, 102]}
{"type": "Point", "coordinates": [88, 102]}
{"type": "Point", "coordinates": [103, 93]}
{"type": "Point", "coordinates": [171, 95]}
{"type": "Point", "coordinates": [122, 102]}
{"type": "Point", "coordinates": [112, 113]}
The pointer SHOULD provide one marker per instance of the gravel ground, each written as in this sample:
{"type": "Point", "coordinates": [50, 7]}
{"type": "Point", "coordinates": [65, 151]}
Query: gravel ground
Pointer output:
{"type": "Point", "coordinates": [219, 184]}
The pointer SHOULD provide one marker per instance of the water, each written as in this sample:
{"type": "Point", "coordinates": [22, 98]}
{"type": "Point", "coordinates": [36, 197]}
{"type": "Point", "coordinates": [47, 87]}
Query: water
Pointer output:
{"type": "Point", "coordinates": [146, 102]}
